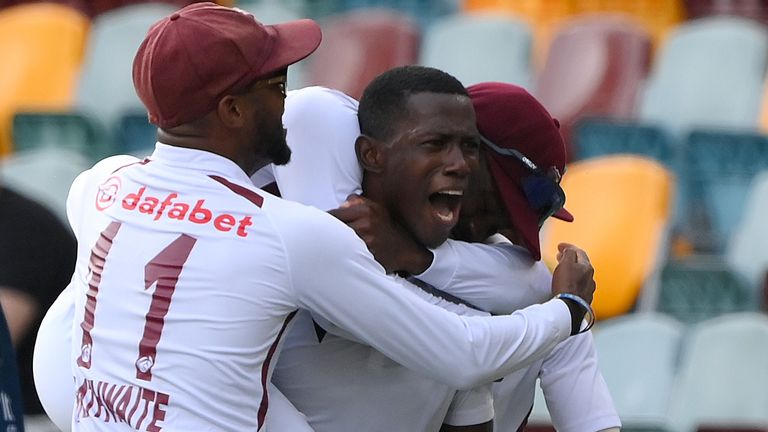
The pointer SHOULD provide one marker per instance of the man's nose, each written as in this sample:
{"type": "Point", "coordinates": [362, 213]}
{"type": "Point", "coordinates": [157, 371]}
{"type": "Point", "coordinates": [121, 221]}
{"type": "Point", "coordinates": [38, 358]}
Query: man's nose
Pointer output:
{"type": "Point", "coordinates": [456, 161]}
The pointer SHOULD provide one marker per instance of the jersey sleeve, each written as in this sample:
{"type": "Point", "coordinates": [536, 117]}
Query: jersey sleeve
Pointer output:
{"type": "Point", "coordinates": [77, 199]}
{"type": "Point", "coordinates": [498, 278]}
{"type": "Point", "coordinates": [321, 129]}
{"type": "Point", "coordinates": [576, 394]}
{"type": "Point", "coordinates": [333, 274]}
{"type": "Point", "coordinates": [471, 407]}
{"type": "Point", "coordinates": [455, 307]}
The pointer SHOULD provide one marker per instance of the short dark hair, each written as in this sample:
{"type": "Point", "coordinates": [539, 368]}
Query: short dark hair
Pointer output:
{"type": "Point", "coordinates": [383, 99]}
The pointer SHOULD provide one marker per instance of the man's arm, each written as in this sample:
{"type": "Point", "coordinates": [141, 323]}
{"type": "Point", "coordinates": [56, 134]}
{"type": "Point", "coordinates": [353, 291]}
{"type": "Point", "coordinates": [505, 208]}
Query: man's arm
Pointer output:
{"type": "Point", "coordinates": [470, 411]}
{"type": "Point", "coordinates": [576, 394]}
{"type": "Point", "coordinates": [336, 277]}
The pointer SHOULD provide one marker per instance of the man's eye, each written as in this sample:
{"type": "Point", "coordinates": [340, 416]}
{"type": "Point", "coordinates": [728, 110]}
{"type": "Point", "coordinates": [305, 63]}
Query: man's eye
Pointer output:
{"type": "Point", "coordinates": [471, 145]}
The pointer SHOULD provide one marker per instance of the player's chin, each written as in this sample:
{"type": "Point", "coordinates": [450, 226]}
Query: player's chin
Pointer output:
{"type": "Point", "coordinates": [435, 235]}
{"type": "Point", "coordinates": [280, 153]}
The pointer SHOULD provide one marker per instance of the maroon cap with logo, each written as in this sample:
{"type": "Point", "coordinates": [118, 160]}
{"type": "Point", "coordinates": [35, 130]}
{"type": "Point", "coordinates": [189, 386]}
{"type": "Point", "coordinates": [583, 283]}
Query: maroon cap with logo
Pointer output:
{"type": "Point", "coordinates": [193, 57]}
{"type": "Point", "coordinates": [508, 116]}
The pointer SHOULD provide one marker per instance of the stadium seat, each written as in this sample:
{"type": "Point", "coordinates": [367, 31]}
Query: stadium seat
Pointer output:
{"type": "Point", "coordinates": [595, 66]}
{"type": "Point", "coordinates": [44, 174]}
{"type": "Point", "coordinates": [344, 61]}
{"type": "Point", "coordinates": [657, 16]}
{"type": "Point", "coordinates": [701, 288]}
{"type": "Point", "coordinates": [600, 137]}
{"type": "Point", "coordinates": [105, 88]}
{"type": "Point", "coordinates": [41, 48]}
{"type": "Point", "coordinates": [622, 206]}
{"type": "Point", "coordinates": [752, 9]}
{"type": "Point", "coordinates": [479, 47]}
{"type": "Point", "coordinates": [762, 121]}
{"type": "Point", "coordinates": [543, 17]}
{"type": "Point", "coordinates": [709, 73]}
{"type": "Point", "coordinates": [422, 11]}
{"type": "Point", "coordinates": [746, 252]}
{"type": "Point", "coordinates": [638, 358]}
{"type": "Point", "coordinates": [718, 169]}
{"type": "Point", "coordinates": [723, 375]}
{"type": "Point", "coordinates": [73, 131]}
{"type": "Point", "coordinates": [135, 135]}
{"type": "Point", "coordinates": [10, 392]}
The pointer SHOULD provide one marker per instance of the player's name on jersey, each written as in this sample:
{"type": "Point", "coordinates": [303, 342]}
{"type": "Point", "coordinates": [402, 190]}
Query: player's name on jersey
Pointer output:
{"type": "Point", "coordinates": [169, 206]}
{"type": "Point", "coordinates": [139, 407]}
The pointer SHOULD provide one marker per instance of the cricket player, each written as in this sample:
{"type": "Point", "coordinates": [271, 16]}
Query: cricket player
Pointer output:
{"type": "Point", "coordinates": [371, 391]}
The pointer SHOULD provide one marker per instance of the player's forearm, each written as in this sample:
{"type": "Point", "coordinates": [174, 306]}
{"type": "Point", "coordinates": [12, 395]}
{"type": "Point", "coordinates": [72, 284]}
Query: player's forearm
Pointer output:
{"type": "Point", "coordinates": [355, 294]}
{"type": "Point", "coordinates": [497, 278]}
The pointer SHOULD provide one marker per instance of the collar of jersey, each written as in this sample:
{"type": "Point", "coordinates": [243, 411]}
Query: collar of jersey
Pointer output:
{"type": "Point", "coordinates": [198, 160]}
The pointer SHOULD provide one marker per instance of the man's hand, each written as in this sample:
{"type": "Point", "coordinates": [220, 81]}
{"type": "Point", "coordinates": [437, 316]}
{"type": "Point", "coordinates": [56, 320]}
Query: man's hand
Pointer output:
{"type": "Point", "coordinates": [574, 273]}
{"type": "Point", "coordinates": [389, 243]}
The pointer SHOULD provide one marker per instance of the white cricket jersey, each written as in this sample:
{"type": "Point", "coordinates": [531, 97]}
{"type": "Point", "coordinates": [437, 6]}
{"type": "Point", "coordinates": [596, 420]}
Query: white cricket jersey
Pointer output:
{"type": "Point", "coordinates": [577, 396]}
{"type": "Point", "coordinates": [188, 278]}
{"type": "Point", "coordinates": [385, 395]}
{"type": "Point", "coordinates": [372, 394]}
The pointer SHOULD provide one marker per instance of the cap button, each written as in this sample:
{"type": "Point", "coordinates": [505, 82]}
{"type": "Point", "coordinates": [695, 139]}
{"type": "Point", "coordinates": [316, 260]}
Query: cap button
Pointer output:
{"type": "Point", "coordinates": [174, 17]}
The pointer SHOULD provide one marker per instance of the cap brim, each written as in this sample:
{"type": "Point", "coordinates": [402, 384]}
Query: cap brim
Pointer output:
{"type": "Point", "coordinates": [564, 215]}
{"type": "Point", "coordinates": [294, 41]}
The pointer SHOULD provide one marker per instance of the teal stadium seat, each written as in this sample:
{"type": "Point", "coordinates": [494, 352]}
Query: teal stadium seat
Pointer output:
{"type": "Point", "coordinates": [135, 135]}
{"type": "Point", "coordinates": [718, 170]}
{"type": "Point", "coordinates": [709, 73]}
{"type": "Point", "coordinates": [638, 357]}
{"type": "Point", "coordinates": [423, 11]}
{"type": "Point", "coordinates": [696, 290]}
{"type": "Point", "coordinates": [480, 47]}
{"type": "Point", "coordinates": [600, 137]}
{"type": "Point", "coordinates": [723, 375]}
{"type": "Point", "coordinates": [73, 131]}
{"type": "Point", "coordinates": [746, 252]}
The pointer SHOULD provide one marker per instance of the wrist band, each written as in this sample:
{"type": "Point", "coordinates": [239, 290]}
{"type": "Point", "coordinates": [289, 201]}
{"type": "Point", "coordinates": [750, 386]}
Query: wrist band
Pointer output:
{"type": "Point", "coordinates": [589, 314]}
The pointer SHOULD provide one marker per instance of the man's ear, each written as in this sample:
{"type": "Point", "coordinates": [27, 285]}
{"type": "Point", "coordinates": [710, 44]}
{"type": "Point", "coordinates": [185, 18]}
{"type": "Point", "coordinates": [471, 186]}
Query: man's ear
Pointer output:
{"type": "Point", "coordinates": [369, 153]}
{"type": "Point", "coordinates": [230, 111]}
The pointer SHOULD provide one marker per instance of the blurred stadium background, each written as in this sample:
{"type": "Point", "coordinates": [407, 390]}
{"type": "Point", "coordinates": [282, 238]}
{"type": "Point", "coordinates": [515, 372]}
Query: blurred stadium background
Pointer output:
{"type": "Point", "coordinates": [663, 104]}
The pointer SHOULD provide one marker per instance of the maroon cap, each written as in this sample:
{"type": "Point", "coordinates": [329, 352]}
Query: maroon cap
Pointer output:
{"type": "Point", "coordinates": [510, 117]}
{"type": "Point", "coordinates": [193, 57]}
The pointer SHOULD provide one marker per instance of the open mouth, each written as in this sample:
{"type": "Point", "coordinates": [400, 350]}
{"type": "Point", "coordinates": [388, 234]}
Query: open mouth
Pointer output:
{"type": "Point", "coordinates": [446, 205]}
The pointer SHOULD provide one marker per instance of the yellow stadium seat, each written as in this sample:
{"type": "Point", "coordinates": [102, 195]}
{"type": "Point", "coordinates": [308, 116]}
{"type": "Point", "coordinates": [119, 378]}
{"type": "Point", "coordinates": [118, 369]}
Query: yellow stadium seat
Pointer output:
{"type": "Point", "coordinates": [763, 120]}
{"type": "Point", "coordinates": [657, 16]}
{"type": "Point", "coordinates": [622, 207]}
{"type": "Point", "coordinates": [41, 48]}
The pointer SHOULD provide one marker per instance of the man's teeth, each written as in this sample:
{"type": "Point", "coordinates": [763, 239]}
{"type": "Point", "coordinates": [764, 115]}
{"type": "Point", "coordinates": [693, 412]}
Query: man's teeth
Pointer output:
{"type": "Point", "coordinates": [445, 217]}
{"type": "Point", "coordinates": [452, 192]}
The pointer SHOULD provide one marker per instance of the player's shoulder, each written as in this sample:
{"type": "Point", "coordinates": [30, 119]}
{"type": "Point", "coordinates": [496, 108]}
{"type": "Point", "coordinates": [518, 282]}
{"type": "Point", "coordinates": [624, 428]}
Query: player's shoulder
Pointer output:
{"type": "Point", "coordinates": [321, 103]}
{"type": "Point", "coordinates": [108, 166]}
{"type": "Point", "coordinates": [306, 225]}
{"type": "Point", "coordinates": [318, 97]}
